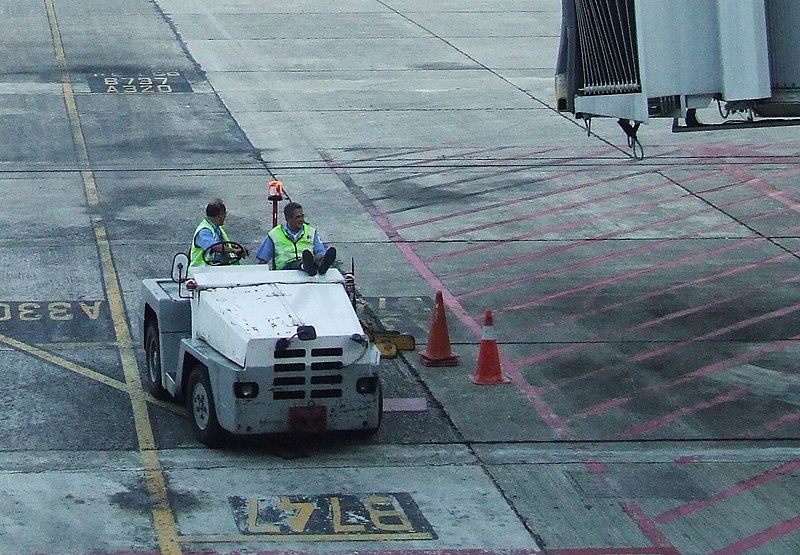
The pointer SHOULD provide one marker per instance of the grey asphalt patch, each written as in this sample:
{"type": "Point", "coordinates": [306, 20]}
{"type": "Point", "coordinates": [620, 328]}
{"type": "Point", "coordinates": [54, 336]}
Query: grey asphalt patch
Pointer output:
{"type": "Point", "coordinates": [58, 512]}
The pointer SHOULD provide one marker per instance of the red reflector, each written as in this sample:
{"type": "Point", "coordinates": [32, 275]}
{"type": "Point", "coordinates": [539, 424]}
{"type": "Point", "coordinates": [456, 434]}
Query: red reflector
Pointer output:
{"type": "Point", "coordinates": [191, 285]}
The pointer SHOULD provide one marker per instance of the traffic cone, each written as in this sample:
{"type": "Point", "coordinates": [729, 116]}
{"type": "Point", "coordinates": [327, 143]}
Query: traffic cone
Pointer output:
{"type": "Point", "coordinates": [488, 371]}
{"type": "Point", "coordinates": [437, 352]}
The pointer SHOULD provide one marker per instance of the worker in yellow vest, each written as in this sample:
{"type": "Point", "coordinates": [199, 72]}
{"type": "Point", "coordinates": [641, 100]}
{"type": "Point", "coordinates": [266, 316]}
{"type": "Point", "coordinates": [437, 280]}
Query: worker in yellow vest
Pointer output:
{"type": "Point", "coordinates": [211, 238]}
{"type": "Point", "coordinates": [295, 245]}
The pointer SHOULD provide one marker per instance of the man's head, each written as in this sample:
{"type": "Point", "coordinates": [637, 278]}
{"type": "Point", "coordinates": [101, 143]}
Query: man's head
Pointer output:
{"type": "Point", "coordinates": [216, 212]}
{"type": "Point", "coordinates": [293, 212]}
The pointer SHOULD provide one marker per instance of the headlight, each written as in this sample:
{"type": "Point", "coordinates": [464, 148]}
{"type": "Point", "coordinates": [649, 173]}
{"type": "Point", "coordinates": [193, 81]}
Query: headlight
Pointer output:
{"type": "Point", "coordinates": [245, 390]}
{"type": "Point", "coordinates": [367, 385]}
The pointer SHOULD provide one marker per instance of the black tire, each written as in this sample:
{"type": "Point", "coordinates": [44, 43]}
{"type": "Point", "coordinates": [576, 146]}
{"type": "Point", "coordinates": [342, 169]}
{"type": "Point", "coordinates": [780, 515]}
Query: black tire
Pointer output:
{"type": "Point", "coordinates": [152, 358]}
{"type": "Point", "coordinates": [380, 406]}
{"type": "Point", "coordinates": [202, 411]}
{"type": "Point", "coordinates": [369, 432]}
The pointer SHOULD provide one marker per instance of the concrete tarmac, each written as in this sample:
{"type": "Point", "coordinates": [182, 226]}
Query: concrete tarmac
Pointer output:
{"type": "Point", "coordinates": [646, 310]}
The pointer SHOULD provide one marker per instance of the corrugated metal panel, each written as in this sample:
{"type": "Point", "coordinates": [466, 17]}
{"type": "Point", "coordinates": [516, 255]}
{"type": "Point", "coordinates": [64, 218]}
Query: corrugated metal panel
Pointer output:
{"type": "Point", "coordinates": [784, 41]}
{"type": "Point", "coordinates": [607, 39]}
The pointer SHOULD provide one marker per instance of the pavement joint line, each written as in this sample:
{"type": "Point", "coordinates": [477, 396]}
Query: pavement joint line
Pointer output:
{"type": "Point", "coordinates": [154, 479]}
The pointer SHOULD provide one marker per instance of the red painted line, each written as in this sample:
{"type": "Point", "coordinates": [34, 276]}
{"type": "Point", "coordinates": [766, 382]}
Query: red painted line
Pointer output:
{"type": "Point", "coordinates": [745, 357]}
{"type": "Point", "coordinates": [577, 223]}
{"type": "Point", "coordinates": [763, 187]}
{"type": "Point", "coordinates": [613, 551]}
{"type": "Point", "coordinates": [595, 467]}
{"type": "Point", "coordinates": [521, 363]}
{"type": "Point", "coordinates": [562, 248]}
{"type": "Point", "coordinates": [562, 383]}
{"type": "Point", "coordinates": [725, 273]}
{"type": "Point", "coordinates": [779, 423]}
{"type": "Point", "coordinates": [734, 490]}
{"type": "Point", "coordinates": [540, 196]}
{"type": "Point", "coordinates": [717, 333]}
{"type": "Point", "coordinates": [687, 459]}
{"type": "Point", "coordinates": [394, 153]}
{"type": "Point", "coordinates": [544, 410]}
{"type": "Point", "coordinates": [632, 508]}
{"type": "Point", "coordinates": [606, 281]}
{"type": "Point", "coordinates": [453, 551]}
{"type": "Point", "coordinates": [522, 280]}
{"type": "Point", "coordinates": [648, 527]}
{"type": "Point", "coordinates": [546, 355]}
{"type": "Point", "coordinates": [771, 533]}
{"type": "Point", "coordinates": [670, 417]}
{"type": "Point", "coordinates": [672, 289]}
{"type": "Point", "coordinates": [500, 222]}
{"type": "Point", "coordinates": [647, 324]}
{"type": "Point", "coordinates": [599, 408]}
{"type": "Point", "coordinates": [614, 279]}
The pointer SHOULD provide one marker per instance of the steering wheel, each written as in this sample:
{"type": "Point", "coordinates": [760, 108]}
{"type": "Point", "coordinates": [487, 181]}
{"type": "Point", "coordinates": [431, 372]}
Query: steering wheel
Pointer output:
{"type": "Point", "coordinates": [224, 258]}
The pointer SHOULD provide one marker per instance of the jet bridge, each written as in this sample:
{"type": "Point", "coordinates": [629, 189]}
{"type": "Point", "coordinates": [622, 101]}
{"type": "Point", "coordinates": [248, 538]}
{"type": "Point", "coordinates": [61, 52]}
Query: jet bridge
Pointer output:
{"type": "Point", "coordinates": [635, 60]}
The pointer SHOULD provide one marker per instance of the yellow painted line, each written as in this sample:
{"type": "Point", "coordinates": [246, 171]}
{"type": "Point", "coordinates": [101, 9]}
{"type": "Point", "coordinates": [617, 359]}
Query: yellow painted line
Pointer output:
{"type": "Point", "coordinates": [163, 517]}
{"type": "Point", "coordinates": [249, 538]}
{"type": "Point", "coordinates": [64, 363]}
{"type": "Point", "coordinates": [56, 360]}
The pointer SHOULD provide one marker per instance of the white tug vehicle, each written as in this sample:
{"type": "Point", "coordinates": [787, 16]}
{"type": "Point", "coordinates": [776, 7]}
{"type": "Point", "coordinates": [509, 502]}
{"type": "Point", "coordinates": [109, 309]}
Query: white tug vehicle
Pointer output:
{"type": "Point", "coordinates": [253, 350]}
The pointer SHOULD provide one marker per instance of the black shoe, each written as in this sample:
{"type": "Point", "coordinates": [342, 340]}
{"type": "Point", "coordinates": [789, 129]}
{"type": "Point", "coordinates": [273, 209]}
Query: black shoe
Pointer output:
{"type": "Point", "coordinates": [309, 266]}
{"type": "Point", "coordinates": [328, 258]}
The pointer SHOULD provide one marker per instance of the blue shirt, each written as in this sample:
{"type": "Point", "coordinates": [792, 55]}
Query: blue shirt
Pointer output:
{"type": "Point", "coordinates": [266, 252]}
{"type": "Point", "coordinates": [206, 237]}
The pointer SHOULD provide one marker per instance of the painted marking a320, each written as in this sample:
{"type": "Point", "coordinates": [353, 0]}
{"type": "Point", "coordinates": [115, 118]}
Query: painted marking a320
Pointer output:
{"type": "Point", "coordinates": [57, 311]}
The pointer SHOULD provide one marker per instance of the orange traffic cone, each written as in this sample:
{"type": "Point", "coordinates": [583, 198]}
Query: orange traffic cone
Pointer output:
{"type": "Point", "coordinates": [488, 371]}
{"type": "Point", "coordinates": [437, 352]}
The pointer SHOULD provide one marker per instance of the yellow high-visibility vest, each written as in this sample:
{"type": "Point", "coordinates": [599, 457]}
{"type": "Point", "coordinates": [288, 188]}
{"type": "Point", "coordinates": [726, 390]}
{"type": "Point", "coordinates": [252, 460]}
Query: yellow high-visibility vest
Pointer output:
{"type": "Point", "coordinates": [286, 250]}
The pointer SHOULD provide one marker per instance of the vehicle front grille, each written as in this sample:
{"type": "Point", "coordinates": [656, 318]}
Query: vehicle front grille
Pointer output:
{"type": "Point", "coordinates": [300, 374]}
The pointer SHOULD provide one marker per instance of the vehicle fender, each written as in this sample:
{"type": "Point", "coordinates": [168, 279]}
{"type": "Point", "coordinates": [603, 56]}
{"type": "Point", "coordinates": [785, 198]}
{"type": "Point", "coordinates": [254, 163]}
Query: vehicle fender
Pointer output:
{"type": "Point", "coordinates": [221, 373]}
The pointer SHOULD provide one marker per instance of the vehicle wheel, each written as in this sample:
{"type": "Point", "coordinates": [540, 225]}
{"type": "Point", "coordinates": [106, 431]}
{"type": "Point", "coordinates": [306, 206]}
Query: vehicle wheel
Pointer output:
{"type": "Point", "coordinates": [369, 432]}
{"type": "Point", "coordinates": [202, 412]}
{"type": "Point", "coordinates": [152, 357]}
{"type": "Point", "coordinates": [380, 406]}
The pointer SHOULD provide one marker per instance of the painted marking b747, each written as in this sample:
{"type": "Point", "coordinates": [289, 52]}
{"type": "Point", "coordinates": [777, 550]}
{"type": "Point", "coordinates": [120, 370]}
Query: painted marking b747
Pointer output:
{"type": "Point", "coordinates": [333, 517]}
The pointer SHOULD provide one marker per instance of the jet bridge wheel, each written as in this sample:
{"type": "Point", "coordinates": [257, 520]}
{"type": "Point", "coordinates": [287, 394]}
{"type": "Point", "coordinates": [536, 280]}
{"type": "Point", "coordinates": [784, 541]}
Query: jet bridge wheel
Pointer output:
{"type": "Point", "coordinates": [152, 357]}
{"type": "Point", "coordinates": [200, 404]}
